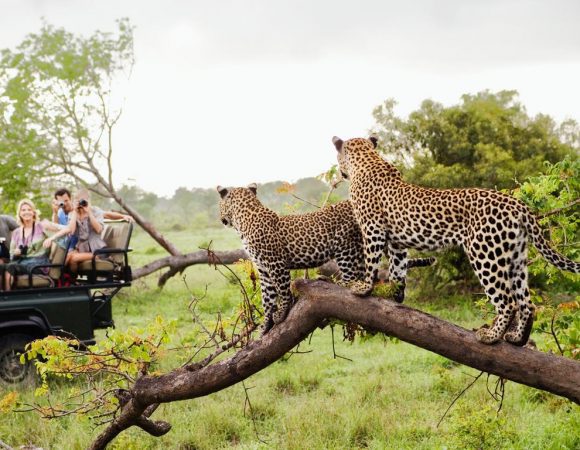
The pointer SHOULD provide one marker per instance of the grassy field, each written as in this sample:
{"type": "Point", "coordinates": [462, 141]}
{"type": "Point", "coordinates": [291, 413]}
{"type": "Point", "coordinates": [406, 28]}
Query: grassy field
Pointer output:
{"type": "Point", "coordinates": [386, 395]}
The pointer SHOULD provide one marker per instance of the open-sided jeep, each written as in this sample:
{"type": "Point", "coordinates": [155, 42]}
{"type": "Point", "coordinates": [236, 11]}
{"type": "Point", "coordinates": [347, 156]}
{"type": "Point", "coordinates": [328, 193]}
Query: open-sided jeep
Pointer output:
{"type": "Point", "coordinates": [46, 302]}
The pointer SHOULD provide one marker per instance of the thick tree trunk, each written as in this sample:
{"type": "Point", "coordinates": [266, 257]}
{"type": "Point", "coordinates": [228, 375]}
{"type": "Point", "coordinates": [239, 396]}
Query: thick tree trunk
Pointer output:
{"type": "Point", "coordinates": [321, 300]}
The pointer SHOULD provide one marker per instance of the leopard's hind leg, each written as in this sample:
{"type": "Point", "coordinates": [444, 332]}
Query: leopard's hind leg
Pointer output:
{"type": "Point", "coordinates": [398, 265]}
{"type": "Point", "coordinates": [491, 265]}
{"type": "Point", "coordinates": [285, 297]}
{"type": "Point", "coordinates": [269, 294]}
{"type": "Point", "coordinates": [350, 263]}
{"type": "Point", "coordinates": [519, 330]}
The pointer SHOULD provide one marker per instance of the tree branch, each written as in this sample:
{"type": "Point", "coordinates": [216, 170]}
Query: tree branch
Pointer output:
{"type": "Point", "coordinates": [178, 263]}
{"type": "Point", "coordinates": [557, 210]}
{"type": "Point", "coordinates": [321, 300]}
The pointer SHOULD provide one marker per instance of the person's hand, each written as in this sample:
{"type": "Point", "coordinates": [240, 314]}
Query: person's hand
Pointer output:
{"type": "Point", "coordinates": [17, 252]}
{"type": "Point", "coordinates": [128, 218]}
{"type": "Point", "coordinates": [47, 243]}
{"type": "Point", "coordinates": [86, 207]}
{"type": "Point", "coordinates": [55, 206]}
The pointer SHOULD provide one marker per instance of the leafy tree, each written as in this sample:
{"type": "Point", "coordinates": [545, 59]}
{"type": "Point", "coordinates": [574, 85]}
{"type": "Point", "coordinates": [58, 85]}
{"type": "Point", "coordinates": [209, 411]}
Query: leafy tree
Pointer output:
{"type": "Point", "coordinates": [488, 140]}
{"type": "Point", "coordinates": [54, 109]}
{"type": "Point", "coordinates": [57, 88]}
{"type": "Point", "coordinates": [555, 195]}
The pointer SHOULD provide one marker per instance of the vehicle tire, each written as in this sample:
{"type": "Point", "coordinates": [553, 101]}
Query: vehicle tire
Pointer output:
{"type": "Point", "coordinates": [12, 371]}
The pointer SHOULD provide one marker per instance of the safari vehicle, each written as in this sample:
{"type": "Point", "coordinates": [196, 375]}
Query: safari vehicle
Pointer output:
{"type": "Point", "coordinates": [48, 304]}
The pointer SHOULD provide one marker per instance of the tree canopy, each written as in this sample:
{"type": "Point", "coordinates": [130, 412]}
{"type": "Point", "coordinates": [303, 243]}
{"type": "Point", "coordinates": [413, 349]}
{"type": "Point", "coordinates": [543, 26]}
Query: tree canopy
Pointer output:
{"type": "Point", "coordinates": [487, 140]}
{"type": "Point", "coordinates": [55, 107]}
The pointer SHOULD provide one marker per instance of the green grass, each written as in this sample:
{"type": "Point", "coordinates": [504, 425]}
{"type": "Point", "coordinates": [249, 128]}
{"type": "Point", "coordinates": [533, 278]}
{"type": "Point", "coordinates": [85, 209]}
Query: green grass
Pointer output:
{"type": "Point", "coordinates": [387, 396]}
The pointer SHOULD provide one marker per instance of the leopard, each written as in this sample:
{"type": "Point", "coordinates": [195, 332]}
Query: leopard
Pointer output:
{"type": "Point", "coordinates": [278, 244]}
{"type": "Point", "coordinates": [492, 228]}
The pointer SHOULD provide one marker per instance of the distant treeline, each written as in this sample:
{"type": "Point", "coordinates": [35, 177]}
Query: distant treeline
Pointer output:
{"type": "Point", "coordinates": [199, 207]}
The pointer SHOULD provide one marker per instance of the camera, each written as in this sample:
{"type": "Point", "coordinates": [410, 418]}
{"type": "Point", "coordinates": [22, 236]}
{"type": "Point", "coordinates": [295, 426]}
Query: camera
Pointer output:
{"type": "Point", "coordinates": [61, 205]}
{"type": "Point", "coordinates": [83, 203]}
{"type": "Point", "coordinates": [23, 249]}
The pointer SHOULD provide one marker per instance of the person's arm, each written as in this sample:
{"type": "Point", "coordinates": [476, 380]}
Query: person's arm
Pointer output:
{"type": "Point", "coordinates": [14, 244]}
{"type": "Point", "coordinates": [51, 226]}
{"type": "Point", "coordinates": [63, 231]}
{"type": "Point", "coordinates": [113, 215]}
{"type": "Point", "coordinates": [55, 208]}
{"type": "Point", "coordinates": [72, 222]}
{"type": "Point", "coordinates": [95, 219]}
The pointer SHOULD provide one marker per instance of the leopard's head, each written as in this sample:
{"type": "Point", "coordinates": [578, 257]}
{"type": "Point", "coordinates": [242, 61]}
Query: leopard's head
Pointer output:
{"type": "Point", "coordinates": [345, 148]}
{"type": "Point", "coordinates": [231, 199]}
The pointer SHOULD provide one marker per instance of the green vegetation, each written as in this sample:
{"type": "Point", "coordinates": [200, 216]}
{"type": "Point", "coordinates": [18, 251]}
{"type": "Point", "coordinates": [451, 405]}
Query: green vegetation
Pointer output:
{"type": "Point", "coordinates": [389, 395]}
{"type": "Point", "coordinates": [378, 393]}
{"type": "Point", "coordinates": [55, 108]}
{"type": "Point", "coordinates": [487, 140]}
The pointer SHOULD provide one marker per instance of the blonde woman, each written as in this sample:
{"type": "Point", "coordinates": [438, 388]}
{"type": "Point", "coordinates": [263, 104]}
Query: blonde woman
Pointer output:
{"type": "Point", "coordinates": [26, 246]}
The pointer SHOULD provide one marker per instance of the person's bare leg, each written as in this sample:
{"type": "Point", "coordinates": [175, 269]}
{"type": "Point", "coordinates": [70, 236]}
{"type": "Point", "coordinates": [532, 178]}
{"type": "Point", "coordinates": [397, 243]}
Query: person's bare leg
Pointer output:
{"type": "Point", "coordinates": [77, 258]}
{"type": "Point", "coordinates": [7, 281]}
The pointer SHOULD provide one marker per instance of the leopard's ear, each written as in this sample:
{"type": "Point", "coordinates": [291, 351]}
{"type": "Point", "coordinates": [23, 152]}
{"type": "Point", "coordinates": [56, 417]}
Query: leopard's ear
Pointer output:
{"type": "Point", "coordinates": [254, 188]}
{"type": "Point", "coordinates": [374, 140]}
{"type": "Point", "coordinates": [337, 143]}
{"type": "Point", "coordinates": [223, 191]}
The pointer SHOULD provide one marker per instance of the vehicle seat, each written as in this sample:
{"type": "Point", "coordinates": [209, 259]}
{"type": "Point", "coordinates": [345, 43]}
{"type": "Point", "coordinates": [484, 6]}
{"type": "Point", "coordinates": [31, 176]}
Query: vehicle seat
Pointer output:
{"type": "Point", "coordinates": [37, 279]}
{"type": "Point", "coordinates": [110, 263]}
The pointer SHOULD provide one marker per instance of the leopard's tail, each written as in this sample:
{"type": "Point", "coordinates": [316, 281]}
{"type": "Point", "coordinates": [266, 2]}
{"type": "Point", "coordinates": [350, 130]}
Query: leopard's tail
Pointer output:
{"type": "Point", "coordinates": [535, 233]}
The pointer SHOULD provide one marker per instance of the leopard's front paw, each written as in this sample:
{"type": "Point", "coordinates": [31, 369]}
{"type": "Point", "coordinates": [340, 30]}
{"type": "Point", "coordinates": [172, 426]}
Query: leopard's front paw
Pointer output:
{"type": "Point", "coordinates": [485, 335]}
{"type": "Point", "coordinates": [514, 338]}
{"type": "Point", "coordinates": [521, 337]}
{"type": "Point", "coordinates": [360, 288]}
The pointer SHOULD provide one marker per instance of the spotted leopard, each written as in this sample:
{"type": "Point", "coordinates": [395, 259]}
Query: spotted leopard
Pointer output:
{"type": "Point", "coordinates": [278, 244]}
{"type": "Point", "coordinates": [491, 227]}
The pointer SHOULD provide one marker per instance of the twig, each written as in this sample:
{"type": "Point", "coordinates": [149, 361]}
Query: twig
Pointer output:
{"type": "Point", "coordinates": [457, 398]}
{"type": "Point", "coordinates": [330, 191]}
{"type": "Point", "coordinates": [5, 446]}
{"type": "Point", "coordinates": [335, 355]}
{"type": "Point", "coordinates": [306, 201]}
{"type": "Point", "coordinates": [557, 210]}
{"type": "Point", "coordinates": [553, 333]}
{"type": "Point", "coordinates": [248, 404]}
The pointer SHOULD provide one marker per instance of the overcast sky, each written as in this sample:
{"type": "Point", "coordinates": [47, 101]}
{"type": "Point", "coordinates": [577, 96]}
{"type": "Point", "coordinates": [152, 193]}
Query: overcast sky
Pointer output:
{"type": "Point", "coordinates": [232, 92]}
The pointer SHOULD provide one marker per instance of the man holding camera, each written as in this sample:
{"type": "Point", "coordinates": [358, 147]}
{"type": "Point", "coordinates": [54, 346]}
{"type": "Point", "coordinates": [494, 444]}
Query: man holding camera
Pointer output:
{"type": "Point", "coordinates": [62, 206]}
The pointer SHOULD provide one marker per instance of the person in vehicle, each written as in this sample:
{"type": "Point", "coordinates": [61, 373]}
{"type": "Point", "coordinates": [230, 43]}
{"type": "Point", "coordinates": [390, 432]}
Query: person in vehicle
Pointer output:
{"type": "Point", "coordinates": [7, 225]}
{"type": "Point", "coordinates": [62, 206]}
{"type": "Point", "coordinates": [26, 246]}
{"type": "Point", "coordinates": [86, 224]}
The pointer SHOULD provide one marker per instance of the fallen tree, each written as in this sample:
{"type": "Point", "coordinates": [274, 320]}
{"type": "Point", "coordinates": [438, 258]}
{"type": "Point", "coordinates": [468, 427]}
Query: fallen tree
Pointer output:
{"type": "Point", "coordinates": [177, 264]}
{"type": "Point", "coordinates": [318, 302]}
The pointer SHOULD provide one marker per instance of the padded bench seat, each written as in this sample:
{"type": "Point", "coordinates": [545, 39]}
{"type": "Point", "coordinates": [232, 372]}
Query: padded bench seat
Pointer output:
{"type": "Point", "coordinates": [37, 279]}
{"type": "Point", "coordinates": [110, 263]}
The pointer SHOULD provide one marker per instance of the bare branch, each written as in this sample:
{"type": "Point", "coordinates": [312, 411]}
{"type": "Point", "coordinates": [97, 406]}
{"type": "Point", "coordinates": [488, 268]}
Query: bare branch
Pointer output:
{"type": "Point", "coordinates": [558, 210]}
